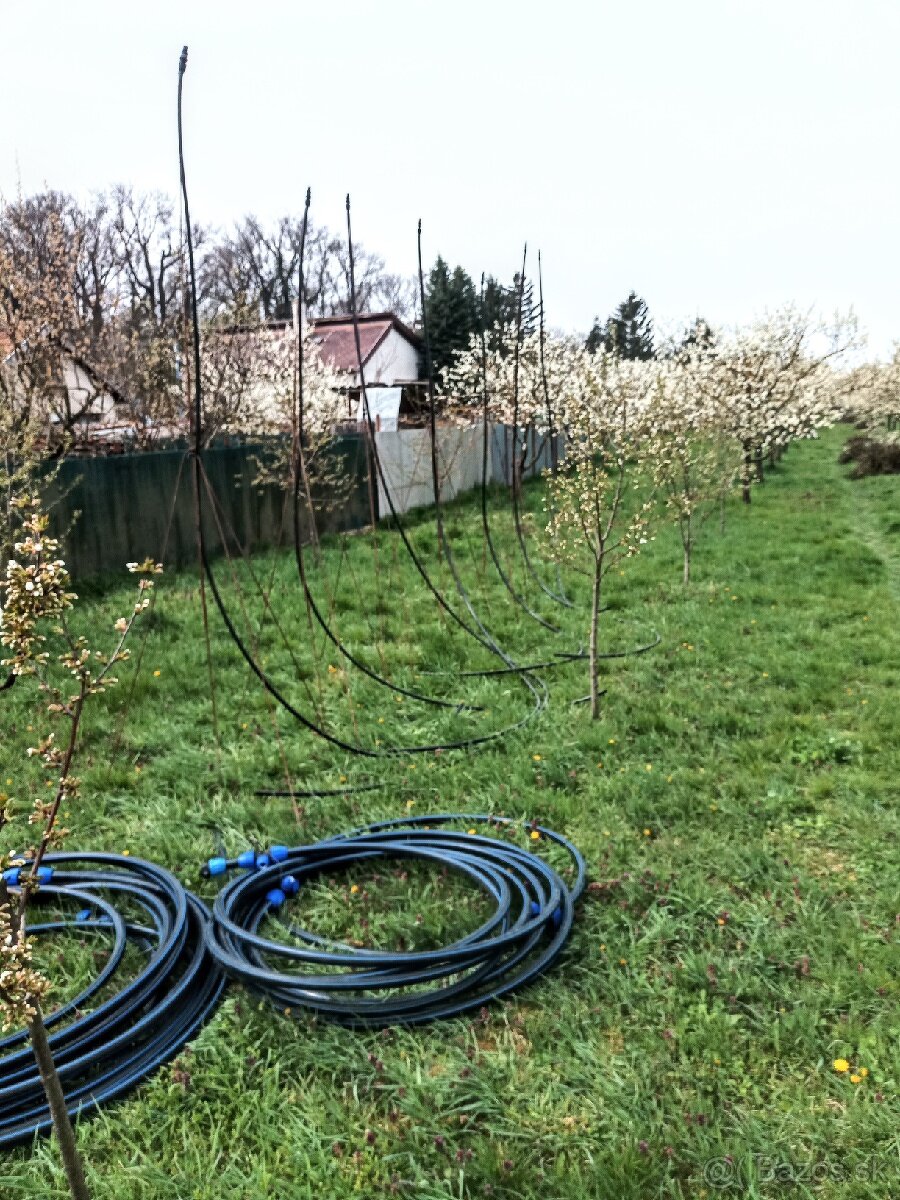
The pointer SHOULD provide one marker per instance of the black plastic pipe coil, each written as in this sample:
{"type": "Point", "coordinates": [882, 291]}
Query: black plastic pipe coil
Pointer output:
{"type": "Point", "coordinates": [532, 917]}
{"type": "Point", "coordinates": [105, 1044]}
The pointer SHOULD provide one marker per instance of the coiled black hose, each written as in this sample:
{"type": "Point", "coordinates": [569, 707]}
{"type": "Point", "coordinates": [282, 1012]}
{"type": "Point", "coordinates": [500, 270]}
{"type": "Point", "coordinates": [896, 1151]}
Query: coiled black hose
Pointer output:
{"type": "Point", "coordinates": [105, 1052]}
{"type": "Point", "coordinates": [534, 910]}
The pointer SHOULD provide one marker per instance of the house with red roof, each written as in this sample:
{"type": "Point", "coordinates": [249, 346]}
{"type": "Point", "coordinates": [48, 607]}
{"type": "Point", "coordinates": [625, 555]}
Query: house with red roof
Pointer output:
{"type": "Point", "coordinates": [391, 352]}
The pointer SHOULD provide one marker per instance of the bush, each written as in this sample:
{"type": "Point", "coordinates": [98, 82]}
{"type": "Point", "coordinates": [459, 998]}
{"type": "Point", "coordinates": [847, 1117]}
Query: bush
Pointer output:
{"type": "Point", "coordinates": [872, 457]}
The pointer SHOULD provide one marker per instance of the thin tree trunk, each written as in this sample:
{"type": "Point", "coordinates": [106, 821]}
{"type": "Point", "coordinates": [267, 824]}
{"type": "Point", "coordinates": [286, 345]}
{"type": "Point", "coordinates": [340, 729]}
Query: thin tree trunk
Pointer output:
{"type": "Point", "coordinates": [687, 544]}
{"type": "Point", "coordinates": [62, 1126]}
{"type": "Point", "coordinates": [595, 622]}
{"type": "Point", "coordinates": [746, 475]}
{"type": "Point", "coordinates": [758, 464]}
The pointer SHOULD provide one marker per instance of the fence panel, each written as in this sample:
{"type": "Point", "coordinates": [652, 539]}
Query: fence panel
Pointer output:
{"type": "Point", "coordinates": [109, 511]}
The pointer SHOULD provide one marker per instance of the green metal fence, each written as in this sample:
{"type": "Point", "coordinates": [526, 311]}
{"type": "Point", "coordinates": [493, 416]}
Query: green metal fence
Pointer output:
{"type": "Point", "coordinates": [126, 508]}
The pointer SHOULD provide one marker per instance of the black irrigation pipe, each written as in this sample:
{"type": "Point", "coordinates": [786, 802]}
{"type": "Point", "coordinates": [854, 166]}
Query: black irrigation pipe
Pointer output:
{"type": "Point", "coordinates": [256, 668]}
{"type": "Point", "coordinates": [435, 477]}
{"type": "Point", "coordinates": [564, 657]}
{"type": "Point", "coordinates": [104, 1052]}
{"type": "Point", "coordinates": [484, 637]}
{"type": "Point", "coordinates": [485, 523]}
{"type": "Point", "coordinates": [301, 476]}
{"type": "Point", "coordinates": [534, 908]}
{"type": "Point", "coordinates": [551, 423]}
{"type": "Point", "coordinates": [516, 469]}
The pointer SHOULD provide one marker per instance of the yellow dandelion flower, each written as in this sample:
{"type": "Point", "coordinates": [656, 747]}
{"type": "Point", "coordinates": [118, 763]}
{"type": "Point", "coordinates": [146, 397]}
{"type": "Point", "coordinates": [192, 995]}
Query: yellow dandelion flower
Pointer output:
{"type": "Point", "coordinates": [342, 779]}
{"type": "Point", "coordinates": [536, 757]}
{"type": "Point", "coordinates": [126, 853]}
{"type": "Point", "coordinates": [470, 832]}
{"type": "Point", "coordinates": [354, 888]}
{"type": "Point", "coordinates": [765, 675]}
{"type": "Point", "coordinates": [156, 674]}
{"type": "Point", "coordinates": [603, 947]}
{"type": "Point", "coordinates": [855, 1078]}
{"type": "Point", "coordinates": [535, 835]}
{"type": "Point", "coordinates": [600, 766]}
{"type": "Point", "coordinates": [648, 832]}
{"type": "Point", "coordinates": [623, 962]}
{"type": "Point", "coordinates": [720, 920]}
{"type": "Point", "coordinates": [612, 741]}
{"type": "Point", "coordinates": [648, 766]}
{"type": "Point", "coordinates": [841, 1065]}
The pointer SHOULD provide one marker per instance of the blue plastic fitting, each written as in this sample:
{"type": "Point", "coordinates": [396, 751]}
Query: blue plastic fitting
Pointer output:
{"type": "Point", "coordinates": [217, 866]}
{"type": "Point", "coordinates": [247, 858]}
{"type": "Point", "coordinates": [278, 853]}
{"type": "Point", "coordinates": [290, 886]}
{"type": "Point", "coordinates": [13, 875]}
{"type": "Point", "coordinates": [275, 898]}
{"type": "Point", "coordinates": [535, 908]}
{"type": "Point", "coordinates": [262, 860]}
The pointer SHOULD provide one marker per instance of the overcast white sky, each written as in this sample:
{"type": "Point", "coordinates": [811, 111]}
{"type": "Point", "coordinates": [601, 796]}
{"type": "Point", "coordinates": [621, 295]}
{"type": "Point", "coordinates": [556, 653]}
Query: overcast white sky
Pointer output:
{"type": "Point", "coordinates": [717, 156]}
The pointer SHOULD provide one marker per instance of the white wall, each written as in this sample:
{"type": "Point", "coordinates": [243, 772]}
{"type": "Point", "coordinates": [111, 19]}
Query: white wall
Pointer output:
{"type": "Point", "coordinates": [395, 359]}
{"type": "Point", "coordinates": [405, 456]}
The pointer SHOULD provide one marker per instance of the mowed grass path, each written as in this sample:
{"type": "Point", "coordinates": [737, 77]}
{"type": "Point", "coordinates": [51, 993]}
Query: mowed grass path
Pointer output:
{"type": "Point", "coordinates": [737, 806]}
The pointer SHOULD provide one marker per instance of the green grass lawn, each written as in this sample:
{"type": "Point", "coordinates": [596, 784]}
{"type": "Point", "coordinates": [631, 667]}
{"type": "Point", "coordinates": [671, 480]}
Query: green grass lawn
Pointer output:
{"type": "Point", "coordinates": [736, 805]}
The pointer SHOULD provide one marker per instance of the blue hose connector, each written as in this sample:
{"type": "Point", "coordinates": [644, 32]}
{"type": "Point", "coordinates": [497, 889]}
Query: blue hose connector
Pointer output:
{"type": "Point", "coordinates": [13, 875]}
{"type": "Point", "coordinates": [275, 898]}
{"type": "Point", "coordinates": [246, 859]}
{"type": "Point", "coordinates": [290, 886]}
{"type": "Point", "coordinates": [217, 866]}
{"type": "Point", "coordinates": [278, 853]}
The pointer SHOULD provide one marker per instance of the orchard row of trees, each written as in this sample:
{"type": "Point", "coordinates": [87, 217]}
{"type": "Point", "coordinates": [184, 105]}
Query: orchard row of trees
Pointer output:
{"type": "Point", "coordinates": [671, 435]}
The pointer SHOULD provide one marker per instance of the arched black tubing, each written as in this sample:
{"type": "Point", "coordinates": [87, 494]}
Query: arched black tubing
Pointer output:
{"type": "Point", "coordinates": [551, 423]}
{"type": "Point", "coordinates": [566, 656]}
{"type": "Point", "coordinates": [517, 468]}
{"type": "Point", "coordinates": [485, 440]}
{"type": "Point", "coordinates": [537, 687]}
{"type": "Point", "coordinates": [435, 473]}
{"type": "Point", "coordinates": [300, 474]}
{"type": "Point", "coordinates": [262, 676]}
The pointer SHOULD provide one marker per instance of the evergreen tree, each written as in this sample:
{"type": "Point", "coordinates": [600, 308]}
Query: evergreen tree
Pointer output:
{"type": "Point", "coordinates": [596, 339]}
{"type": "Point", "coordinates": [628, 333]}
{"type": "Point", "coordinates": [451, 308]}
